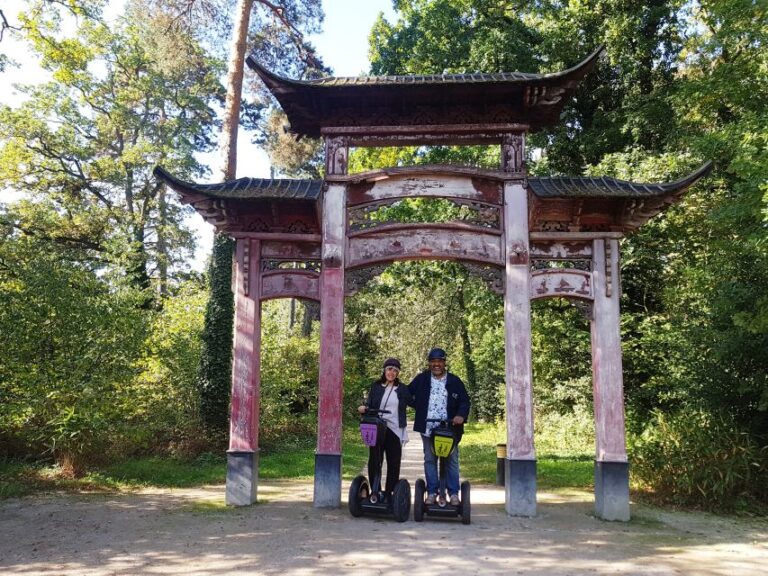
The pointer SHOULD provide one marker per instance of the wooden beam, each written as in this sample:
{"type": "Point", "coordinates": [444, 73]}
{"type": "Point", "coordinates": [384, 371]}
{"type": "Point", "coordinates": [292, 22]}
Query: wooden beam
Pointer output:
{"type": "Point", "coordinates": [290, 284]}
{"type": "Point", "coordinates": [427, 185]}
{"type": "Point", "coordinates": [606, 355]}
{"type": "Point", "coordinates": [425, 243]}
{"type": "Point", "coordinates": [517, 326]}
{"type": "Point", "coordinates": [565, 283]}
{"type": "Point", "coordinates": [328, 456]}
{"type": "Point", "coordinates": [246, 363]}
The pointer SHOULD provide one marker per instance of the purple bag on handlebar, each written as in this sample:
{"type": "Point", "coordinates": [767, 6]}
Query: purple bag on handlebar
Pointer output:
{"type": "Point", "coordinates": [372, 430]}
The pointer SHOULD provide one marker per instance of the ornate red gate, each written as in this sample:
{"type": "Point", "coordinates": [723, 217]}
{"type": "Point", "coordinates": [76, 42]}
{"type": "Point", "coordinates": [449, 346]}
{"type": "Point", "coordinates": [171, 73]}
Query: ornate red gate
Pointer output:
{"type": "Point", "coordinates": [529, 238]}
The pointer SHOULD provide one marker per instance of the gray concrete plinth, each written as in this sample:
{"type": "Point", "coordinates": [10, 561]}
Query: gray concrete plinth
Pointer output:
{"type": "Point", "coordinates": [327, 481]}
{"type": "Point", "coordinates": [520, 483]}
{"type": "Point", "coordinates": [242, 478]}
{"type": "Point", "coordinates": [612, 490]}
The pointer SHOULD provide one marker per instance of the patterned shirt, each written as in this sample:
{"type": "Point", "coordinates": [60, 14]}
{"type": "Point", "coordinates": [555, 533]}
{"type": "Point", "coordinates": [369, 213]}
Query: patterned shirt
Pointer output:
{"type": "Point", "coordinates": [438, 402]}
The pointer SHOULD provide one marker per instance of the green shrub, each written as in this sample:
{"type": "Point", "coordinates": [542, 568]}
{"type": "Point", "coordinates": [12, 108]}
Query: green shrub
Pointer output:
{"type": "Point", "coordinates": [568, 434]}
{"type": "Point", "coordinates": [702, 460]}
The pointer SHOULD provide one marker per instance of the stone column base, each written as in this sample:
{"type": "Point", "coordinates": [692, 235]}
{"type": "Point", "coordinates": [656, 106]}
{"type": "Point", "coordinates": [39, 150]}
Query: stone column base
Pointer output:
{"type": "Point", "coordinates": [242, 478]}
{"type": "Point", "coordinates": [520, 483]}
{"type": "Point", "coordinates": [327, 481]}
{"type": "Point", "coordinates": [612, 490]}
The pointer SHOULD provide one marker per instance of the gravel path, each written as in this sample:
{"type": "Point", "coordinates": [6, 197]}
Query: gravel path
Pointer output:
{"type": "Point", "coordinates": [190, 532]}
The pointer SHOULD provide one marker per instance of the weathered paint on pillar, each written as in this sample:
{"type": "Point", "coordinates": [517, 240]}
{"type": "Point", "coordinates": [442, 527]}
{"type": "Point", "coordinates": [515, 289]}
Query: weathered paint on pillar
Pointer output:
{"type": "Point", "coordinates": [521, 468]}
{"type": "Point", "coordinates": [328, 457]}
{"type": "Point", "coordinates": [242, 459]}
{"type": "Point", "coordinates": [611, 470]}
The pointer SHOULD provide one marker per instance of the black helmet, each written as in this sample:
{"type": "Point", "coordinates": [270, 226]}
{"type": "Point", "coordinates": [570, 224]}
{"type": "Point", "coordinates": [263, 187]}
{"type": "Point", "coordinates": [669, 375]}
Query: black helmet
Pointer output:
{"type": "Point", "coordinates": [436, 354]}
{"type": "Point", "coordinates": [392, 362]}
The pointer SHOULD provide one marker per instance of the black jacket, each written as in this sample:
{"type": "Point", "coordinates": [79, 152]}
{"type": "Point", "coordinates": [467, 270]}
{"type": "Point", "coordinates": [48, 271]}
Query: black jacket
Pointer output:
{"type": "Point", "coordinates": [376, 393]}
{"type": "Point", "coordinates": [458, 399]}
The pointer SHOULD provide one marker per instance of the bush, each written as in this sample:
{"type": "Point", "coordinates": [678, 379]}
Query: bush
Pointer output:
{"type": "Point", "coordinates": [568, 434]}
{"type": "Point", "coordinates": [702, 460]}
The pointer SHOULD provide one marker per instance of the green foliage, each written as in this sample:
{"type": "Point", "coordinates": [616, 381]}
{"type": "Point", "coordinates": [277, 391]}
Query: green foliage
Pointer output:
{"type": "Point", "coordinates": [82, 145]}
{"type": "Point", "coordinates": [289, 376]}
{"type": "Point", "coordinates": [69, 342]}
{"type": "Point", "coordinates": [164, 406]}
{"type": "Point", "coordinates": [561, 468]}
{"type": "Point", "coordinates": [214, 375]}
{"type": "Point", "coordinates": [693, 458]}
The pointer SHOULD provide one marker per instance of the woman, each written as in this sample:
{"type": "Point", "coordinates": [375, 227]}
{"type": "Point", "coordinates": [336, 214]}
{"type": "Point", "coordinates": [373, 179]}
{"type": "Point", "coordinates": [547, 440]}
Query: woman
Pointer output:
{"type": "Point", "coordinates": [388, 393]}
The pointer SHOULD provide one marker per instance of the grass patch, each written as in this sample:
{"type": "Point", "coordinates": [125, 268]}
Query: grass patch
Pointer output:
{"type": "Point", "coordinates": [292, 458]}
{"type": "Point", "coordinates": [21, 478]}
{"type": "Point", "coordinates": [478, 461]}
{"type": "Point", "coordinates": [355, 453]}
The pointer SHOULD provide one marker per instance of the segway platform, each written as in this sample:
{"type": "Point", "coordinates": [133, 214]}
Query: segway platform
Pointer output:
{"type": "Point", "coordinates": [443, 444]}
{"type": "Point", "coordinates": [367, 497]}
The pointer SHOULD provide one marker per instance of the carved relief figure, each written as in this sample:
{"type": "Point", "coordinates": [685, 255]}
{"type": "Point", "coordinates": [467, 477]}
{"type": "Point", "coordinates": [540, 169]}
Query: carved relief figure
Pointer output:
{"type": "Point", "coordinates": [336, 156]}
{"type": "Point", "coordinates": [512, 153]}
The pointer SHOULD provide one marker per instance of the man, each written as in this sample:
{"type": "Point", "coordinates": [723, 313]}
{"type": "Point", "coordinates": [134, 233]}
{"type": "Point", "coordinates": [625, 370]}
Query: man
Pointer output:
{"type": "Point", "coordinates": [436, 393]}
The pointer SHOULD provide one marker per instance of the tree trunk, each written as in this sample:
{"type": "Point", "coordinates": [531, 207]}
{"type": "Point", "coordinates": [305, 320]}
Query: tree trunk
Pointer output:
{"type": "Point", "coordinates": [466, 345]}
{"type": "Point", "coordinates": [215, 376]}
{"type": "Point", "coordinates": [235, 72]}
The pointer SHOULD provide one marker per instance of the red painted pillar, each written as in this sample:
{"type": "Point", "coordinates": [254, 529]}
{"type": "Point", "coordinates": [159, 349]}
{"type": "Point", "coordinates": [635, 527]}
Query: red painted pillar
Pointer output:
{"type": "Point", "coordinates": [328, 457]}
{"type": "Point", "coordinates": [520, 476]}
{"type": "Point", "coordinates": [242, 456]}
{"type": "Point", "coordinates": [611, 467]}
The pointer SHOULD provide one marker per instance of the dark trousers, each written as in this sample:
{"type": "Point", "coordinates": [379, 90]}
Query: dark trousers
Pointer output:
{"type": "Point", "coordinates": [393, 451]}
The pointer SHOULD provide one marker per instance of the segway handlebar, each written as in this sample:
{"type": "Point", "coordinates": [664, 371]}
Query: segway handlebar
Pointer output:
{"type": "Point", "coordinates": [374, 411]}
{"type": "Point", "coordinates": [443, 421]}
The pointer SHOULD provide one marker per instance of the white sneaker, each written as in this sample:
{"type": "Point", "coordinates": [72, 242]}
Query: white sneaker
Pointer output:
{"type": "Point", "coordinates": [431, 498]}
{"type": "Point", "coordinates": [454, 499]}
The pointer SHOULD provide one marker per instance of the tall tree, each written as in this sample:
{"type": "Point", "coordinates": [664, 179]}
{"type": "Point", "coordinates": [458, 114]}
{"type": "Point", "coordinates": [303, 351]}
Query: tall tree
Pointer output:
{"type": "Point", "coordinates": [277, 31]}
{"type": "Point", "coordinates": [83, 144]}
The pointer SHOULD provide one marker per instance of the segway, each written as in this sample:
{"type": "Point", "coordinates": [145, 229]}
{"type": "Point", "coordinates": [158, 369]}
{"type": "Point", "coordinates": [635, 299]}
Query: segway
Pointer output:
{"type": "Point", "coordinates": [443, 444]}
{"type": "Point", "coordinates": [369, 498]}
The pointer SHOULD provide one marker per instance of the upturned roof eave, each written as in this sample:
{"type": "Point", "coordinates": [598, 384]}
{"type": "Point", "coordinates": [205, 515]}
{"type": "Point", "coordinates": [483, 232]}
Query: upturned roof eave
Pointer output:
{"type": "Point", "coordinates": [306, 102]}
{"type": "Point", "coordinates": [282, 85]}
{"type": "Point", "coordinates": [580, 186]}
{"type": "Point", "coordinates": [242, 188]}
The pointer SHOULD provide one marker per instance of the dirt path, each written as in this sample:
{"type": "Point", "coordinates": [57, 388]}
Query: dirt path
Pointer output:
{"type": "Point", "coordinates": [189, 532]}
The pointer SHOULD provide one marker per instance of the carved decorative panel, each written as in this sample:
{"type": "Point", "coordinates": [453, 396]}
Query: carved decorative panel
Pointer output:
{"type": "Point", "coordinates": [513, 154]}
{"type": "Point", "coordinates": [290, 284]}
{"type": "Point", "coordinates": [493, 276]}
{"type": "Point", "coordinates": [424, 243]}
{"type": "Point", "coordinates": [468, 212]}
{"type": "Point", "coordinates": [585, 308]}
{"type": "Point", "coordinates": [355, 280]}
{"type": "Point", "coordinates": [561, 250]}
{"type": "Point", "coordinates": [336, 151]}
{"type": "Point", "coordinates": [580, 264]}
{"type": "Point", "coordinates": [562, 283]}
{"type": "Point", "coordinates": [271, 265]}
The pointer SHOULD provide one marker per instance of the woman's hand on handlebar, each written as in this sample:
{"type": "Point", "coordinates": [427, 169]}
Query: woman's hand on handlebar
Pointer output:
{"type": "Point", "coordinates": [361, 409]}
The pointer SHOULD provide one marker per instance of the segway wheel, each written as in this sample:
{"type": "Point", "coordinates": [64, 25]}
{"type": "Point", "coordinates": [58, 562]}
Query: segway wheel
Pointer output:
{"type": "Point", "coordinates": [466, 507]}
{"type": "Point", "coordinates": [401, 500]}
{"type": "Point", "coordinates": [358, 491]}
{"type": "Point", "coordinates": [418, 500]}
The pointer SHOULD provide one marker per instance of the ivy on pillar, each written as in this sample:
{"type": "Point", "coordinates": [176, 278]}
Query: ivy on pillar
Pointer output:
{"type": "Point", "coordinates": [328, 457]}
{"type": "Point", "coordinates": [611, 466]}
{"type": "Point", "coordinates": [243, 453]}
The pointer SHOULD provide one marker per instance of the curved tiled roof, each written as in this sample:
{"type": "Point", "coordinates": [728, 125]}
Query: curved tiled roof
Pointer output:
{"type": "Point", "coordinates": [535, 100]}
{"type": "Point", "coordinates": [605, 187]}
{"type": "Point", "coordinates": [242, 188]}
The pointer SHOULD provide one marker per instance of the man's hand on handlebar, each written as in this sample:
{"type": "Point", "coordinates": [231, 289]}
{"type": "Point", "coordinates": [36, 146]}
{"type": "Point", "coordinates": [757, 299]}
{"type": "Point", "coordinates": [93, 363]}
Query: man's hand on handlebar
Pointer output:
{"type": "Point", "coordinates": [457, 420]}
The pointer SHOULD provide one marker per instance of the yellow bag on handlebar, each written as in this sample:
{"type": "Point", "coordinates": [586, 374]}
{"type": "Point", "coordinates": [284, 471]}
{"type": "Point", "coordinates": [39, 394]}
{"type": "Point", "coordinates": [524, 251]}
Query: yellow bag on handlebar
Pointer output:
{"type": "Point", "coordinates": [443, 442]}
